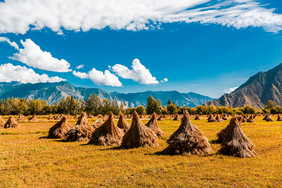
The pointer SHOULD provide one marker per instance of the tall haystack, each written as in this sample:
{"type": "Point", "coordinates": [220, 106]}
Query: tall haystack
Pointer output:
{"type": "Point", "coordinates": [139, 135]}
{"type": "Point", "coordinates": [108, 134]}
{"type": "Point", "coordinates": [268, 118]}
{"type": "Point", "coordinates": [33, 118]}
{"type": "Point", "coordinates": [251, 119]}
{"type": "Point", "coordinates": [218, 118]}
{"type": "Point", "coordinates": [187, 139]}
{"type": "Point", "coordinates": [21, 118]}
{"type": "Point", "coordinates": [211, 119]}
{"type": "Point", "coordinates": [176, 118]}
{"type": "Point", "coordinates": [82, 131]}
{"type": "Point", "coordinates": [122, 124]}
{"type": "Point", "coordinates": [98, 122]}
{"type": "Point", "coordinates": [60, 129]}
{"type": "Point", "coordinates": [153, 124]}
{"type": "Point", "coordinates": [197, 117]}
{"type": "Point", "coordinates": [221, 134]}
{"type": "Point", "coordinates": [235, 142]}
{"type": "Point", "coordinates": [11, 123]}
{"type": "Point", "coordinates": [2, 122]}
{"type": "Point", "coordinates": [279, 118]}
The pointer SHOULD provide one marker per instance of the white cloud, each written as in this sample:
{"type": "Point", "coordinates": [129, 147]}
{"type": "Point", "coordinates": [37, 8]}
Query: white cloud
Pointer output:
{"type": "Point", "coordinates": [79, 67]}
{"type": "Point", "coordinates": [33, 56]}
{"type": "Point", "coordinates": [164, 80]}
{"type": "Point", "coordinates": [13, 44]}
{"type": "Point", "coordinates": [100, 78]}
{"type": "Point", "coordinates": [230, 90]}
{"type": "Point", "coordinates": [139, 73]}
{"type": "Point", "coordinates": [10, 73]}
{"type": "Point", "coordinates": [17, 16]}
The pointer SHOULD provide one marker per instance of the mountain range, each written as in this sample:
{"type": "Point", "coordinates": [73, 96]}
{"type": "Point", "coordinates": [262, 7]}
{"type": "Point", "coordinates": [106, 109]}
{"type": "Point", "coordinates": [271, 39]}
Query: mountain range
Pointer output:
{"type": "Point", "coordinates": [53, 92]}
{"type": "Point", "coordinates": [256, 91]}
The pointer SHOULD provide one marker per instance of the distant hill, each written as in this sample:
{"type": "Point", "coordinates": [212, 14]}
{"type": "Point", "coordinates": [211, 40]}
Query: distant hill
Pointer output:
{"type": "Point", "coordinates": [53, 92]}
{"type": "Point", "coordinates": [259, 88]}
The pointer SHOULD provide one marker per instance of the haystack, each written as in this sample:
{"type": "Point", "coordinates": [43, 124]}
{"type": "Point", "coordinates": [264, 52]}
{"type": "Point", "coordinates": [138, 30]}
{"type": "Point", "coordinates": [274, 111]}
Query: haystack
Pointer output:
{"type": "Point", "coordinates": [139, 135]}
{"type": "Point", "coordinates": [122, 124]}
{"type": "Point", "coordinates": [57, 117]}
{"type": "Point", "coordinates": [211, 119]}
{"type": "Point", "coordinates": [221, 134]}
{"type": "Point", "coordinates": [218, 118]}
{"type": "Point", "coordinates": [98, 122]}
{"type": "Point", "coordinates": [279, 118]}
{"type": "Point", "coordinates": [187, 139]}
{"type": "Point", "coordinates": [153, 124]}
{"type": "Point", "coordinates": [11, 123]}
{"type": "Point", "coordinates": [224, 117]}
{"type": "Point", "coordinates": [21, 118]}
{"type": "Point", "coordinates": [2, 122]}
{"type": "Point", "coordinates": [60, 129]}
{"type": "Point", "coordinates": [176, 118]}
{"type": "Point", "coordinates": [33, 118]}
{"type": "Point", "coordinates": [268, 118]}
{"type": "Point", "coordinates": [82, 131]}
{"type": "Point", "coordinates": [50, 117]}
{"type": "Point", "coordinates": [108, 134]}
{"type": "Point", "coordinates": [197, 117]}
{"type": "Point", "coordinates": [160, 118]}
{"type": "Point", "coordinates": [235, 142]}
{"type": "Point", "coordinates": [251, 119]}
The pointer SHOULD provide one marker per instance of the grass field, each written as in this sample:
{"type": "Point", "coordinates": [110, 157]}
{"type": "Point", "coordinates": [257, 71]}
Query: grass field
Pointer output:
{"type": "Point", "coordinates": [27, 160]}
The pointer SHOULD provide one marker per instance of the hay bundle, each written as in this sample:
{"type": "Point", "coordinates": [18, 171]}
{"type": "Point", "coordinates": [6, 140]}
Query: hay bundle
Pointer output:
{"type": "Point", "coordinates": [251, 119]}
{"type": "Point", "coordinates": [279, 118]}
{"type": "Point", "coordinates": [82, 131]}
{"type": "Point", "coordinates": [176, 118]}
{"type": "Point", "coordinates": [98, 122]}
{"type": "Point", "coordinates": [197, 117]}
{"type": "Point", "coordinates": [235, 142]}
{"type": "Point", "coordinates": [268, 118]}
{"type": "Point", "coordinates": [11, 123]}
{"type": "Point", "coordinates": [224, 117]}
{"type": "Point", "coordinates": [218, 118]}
{"type": "Point", "coordinates": [221, 134]}
{"type": "Point", "coordinates": [2, 122]}
{"type": "Point", "coordinates": [60, 129]}
{"type": "Point", "coordinates": [33, 118]}
{"type": "Point", "coordinates": [57, 117]}
{"type": "Point", "coordinates": [108, 134]}
{"type": "Point", "coordinates": [139, 135]}
{"type": "Point", "coordinates": [160, 118]}
{"type": "Point", "coordinates": [153, 124]}
{"type": "Point", "coordinates": [50, 117]}
{"type": "Point", "coordinates": [211, 119]}
{"type": "Point", "coordinates": [122, 124]}
{"type": "Point", "coordinates": [187, 139]}
{"type": "Point", "coordinates": [21, 118]}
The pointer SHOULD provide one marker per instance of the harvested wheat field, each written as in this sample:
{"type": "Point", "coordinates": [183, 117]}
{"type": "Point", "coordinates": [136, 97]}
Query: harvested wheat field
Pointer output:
{"type": "Point", "coordinates": [29, 159]}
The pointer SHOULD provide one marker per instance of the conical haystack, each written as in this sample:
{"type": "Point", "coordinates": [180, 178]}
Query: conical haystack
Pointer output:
{"type": "Point", "coordinates": [211, 119]}
{"type": "Point", "coordinates": [197, 117]}
{"type": "Point", "coordinates": [187, 139]}
{"type": "Point", "coordinates": [221, 134]}
{"type": "Point", "coordinates": [153, 124]}
{"type": "Point", "coordinates": [279, 118]}
{"type": "Point", "coordinates": [11, 123]}
{"type": "Point", "coordinates": [251, 119]}
{"type": "Point", "coordinates": [139, 135]}
{"type": "Point", "coordinates": [33, 118]}
{"type": "Point", "coordinates": [235, 142]}
{"type": "Point", "coordinates": [98, 122]}
{"type": "Point", "coordinates": [224, 117]}
{"type": "Point", "coordinates": [21, 118]}
{"type": "Point", "coordinates": [268, 118]}
{"type": "Point", "coordinates": [122, 124]}
{"type": "Point", "coordinates": [82, 131]}
{"type": "Point", "coordinates": [176, 118]}
{"type": "Point", "coordinates": [2, 122]}
{"type": "Point", "coordinates": [108, 134]}
{"type": "Point", "coordinates": [60, 129]}
{"type": "Point", "coordinates": [218, 118]}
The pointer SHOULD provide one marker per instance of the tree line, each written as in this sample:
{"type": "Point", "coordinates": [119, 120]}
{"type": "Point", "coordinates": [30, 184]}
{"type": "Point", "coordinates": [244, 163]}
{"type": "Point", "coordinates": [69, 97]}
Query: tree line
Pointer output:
{"type": "Point", "coordinates": [94, 106]}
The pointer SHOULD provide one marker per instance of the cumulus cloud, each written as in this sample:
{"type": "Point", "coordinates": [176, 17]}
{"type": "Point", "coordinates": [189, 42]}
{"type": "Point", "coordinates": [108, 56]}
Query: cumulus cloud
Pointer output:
{"type": "Point", "coordinates": [79, 67]}
{"type": "Point", "coordinates": [138, 73]}
{"type": "Point", "coordinates": [230, 90]}
{"type": "Point", "coordinates": [100, 78]}
{"type": "Point", "coordinates": [17, 16]}
{"type": "Point", "coordinates": [13, 44]}
{"type": "Point", "coordinates": [164, 80]}
{"type": "Point", "coordinates": [33, 56]}
{"type": "Point", "coordinates": [10, 73]}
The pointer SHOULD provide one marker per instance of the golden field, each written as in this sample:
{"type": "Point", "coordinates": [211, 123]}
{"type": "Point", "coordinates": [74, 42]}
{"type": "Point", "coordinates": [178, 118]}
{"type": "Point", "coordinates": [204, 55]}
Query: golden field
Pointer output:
{"type": "Point", "coordinates": [27, 159]}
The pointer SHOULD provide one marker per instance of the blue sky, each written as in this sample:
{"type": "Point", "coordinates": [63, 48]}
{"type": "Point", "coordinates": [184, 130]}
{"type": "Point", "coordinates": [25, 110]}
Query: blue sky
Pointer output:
{"type": "Point", "coordinates": [205, 58]}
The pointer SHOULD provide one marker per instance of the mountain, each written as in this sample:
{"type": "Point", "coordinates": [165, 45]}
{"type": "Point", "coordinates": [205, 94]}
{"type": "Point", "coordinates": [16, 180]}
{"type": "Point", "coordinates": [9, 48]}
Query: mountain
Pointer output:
{"type": "Point", "coordinates": [259, 88]}
{"type": "Point", "coordinates": [53, 92]}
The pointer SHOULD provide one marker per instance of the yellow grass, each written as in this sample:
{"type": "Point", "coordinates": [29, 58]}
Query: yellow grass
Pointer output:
{"type": "Point", "coordinates": [28, 161]}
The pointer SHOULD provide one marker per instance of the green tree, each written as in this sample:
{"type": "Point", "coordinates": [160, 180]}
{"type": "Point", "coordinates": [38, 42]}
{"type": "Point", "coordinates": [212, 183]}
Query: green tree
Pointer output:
{"type": "Point", "coordinates": [141, 110]}
{"type": "Point", "coordinates": [270, 104]}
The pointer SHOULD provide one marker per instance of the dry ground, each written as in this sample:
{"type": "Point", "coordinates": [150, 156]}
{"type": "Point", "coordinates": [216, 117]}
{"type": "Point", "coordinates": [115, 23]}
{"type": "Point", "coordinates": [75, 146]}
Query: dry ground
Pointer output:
{"type": "Point", "coordinates": [28, 161]}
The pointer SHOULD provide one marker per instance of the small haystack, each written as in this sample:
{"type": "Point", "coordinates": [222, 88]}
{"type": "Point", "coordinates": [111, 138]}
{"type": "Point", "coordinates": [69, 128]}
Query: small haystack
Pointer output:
{"type": "Point", "coordinates": [122, 124]}
{"type": "Point", "coordinates": [98, 122]}
{"type": "Point", "coordinates": [60, 129]}
{"type": "Point", "coordinates": [218, 118]}
{"type": "Point", "coordinates": [50, 117]}
{"type": "Point", "coordinates": [11, 123]}
{"type": "Point", "coordinates": [160, 118]}
{"type": "Point", "coordinates": [153, 124]}
{"type": "Point", "coordinates": [187, 139]}
{"type": "Point", "coordinates": [211, 119]}
{"type": "Point", "coordinates": [21, 118]}
{"type": "Point", "coordinates": [57, 117]}
{"type": "Point", "coordinates": [176, 118]}
{"type": "Point", "coordinates": [268, 118]}
{"type": "Point", "coordinates": [2, 122]}
{"type": "Point", "coordinates": [108, 134]}
{"type": "Point", "coordinates": [251, 119]}
{"type": "Point", "coordinates": [139, 135]}
{"type": "Point", "coordinates": [197, 117]}
{"type": "Point", "coordinates": [82, 131]}
{"type": "Point", "coordinates": [224, 117]}
{"type": "Point", "coordinates": [279, 118]}
{"type": "Point", "coordinates": [33, 118]}
{"type": "Point", "coordinates": [235, 142]}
